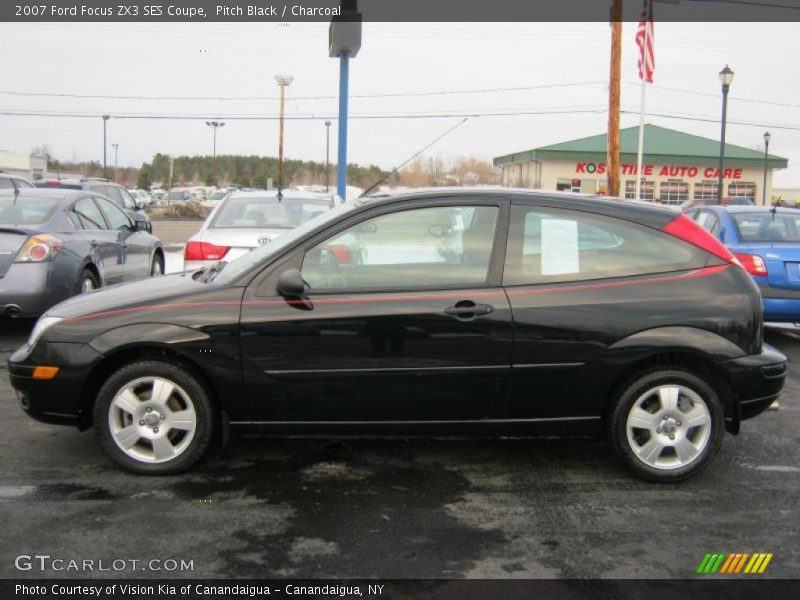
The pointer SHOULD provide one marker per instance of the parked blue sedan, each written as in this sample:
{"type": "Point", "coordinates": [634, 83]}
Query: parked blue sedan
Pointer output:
{"type": "Point", "coordinates": [767, 243]}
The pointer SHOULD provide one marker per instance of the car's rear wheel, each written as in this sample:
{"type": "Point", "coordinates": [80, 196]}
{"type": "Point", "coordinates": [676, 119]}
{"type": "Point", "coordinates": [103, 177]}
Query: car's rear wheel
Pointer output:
{"type": "Point", "coordinates": [157, 265]}
{"type": "Point", "coordinates": [87, 282]}
{"type": "Point", "coordinates": [667, 424]}
{"type": "Point", "coordinates": [154, 417]}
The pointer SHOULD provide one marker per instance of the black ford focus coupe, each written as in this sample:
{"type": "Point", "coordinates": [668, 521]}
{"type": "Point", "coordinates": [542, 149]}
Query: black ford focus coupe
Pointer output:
{"type": "Point", "coordinates": [466, 312]}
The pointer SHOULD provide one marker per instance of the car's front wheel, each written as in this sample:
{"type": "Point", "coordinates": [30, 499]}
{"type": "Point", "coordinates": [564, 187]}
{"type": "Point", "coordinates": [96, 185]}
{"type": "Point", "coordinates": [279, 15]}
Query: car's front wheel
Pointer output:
{"type": "Point", "coordinates": [154, 417]}
{"type": "Point", "coordinates": [666, 424]}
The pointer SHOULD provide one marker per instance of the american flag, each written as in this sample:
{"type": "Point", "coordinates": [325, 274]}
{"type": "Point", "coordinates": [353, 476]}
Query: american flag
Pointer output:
{"type": "Point", "coordinates": [647, 55]}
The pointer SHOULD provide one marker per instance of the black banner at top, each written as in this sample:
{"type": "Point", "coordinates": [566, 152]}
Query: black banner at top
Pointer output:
{"type": "Point", "coordinates": [205, 11]}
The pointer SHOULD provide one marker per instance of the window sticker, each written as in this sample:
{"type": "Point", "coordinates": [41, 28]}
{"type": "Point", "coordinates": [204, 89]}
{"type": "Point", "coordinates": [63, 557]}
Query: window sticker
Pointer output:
{"type": "Point", "coordinates": [559, 246]}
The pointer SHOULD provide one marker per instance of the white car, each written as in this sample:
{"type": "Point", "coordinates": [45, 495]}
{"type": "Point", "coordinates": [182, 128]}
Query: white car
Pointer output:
{"type": "Point", "coordinates": [246, 220]}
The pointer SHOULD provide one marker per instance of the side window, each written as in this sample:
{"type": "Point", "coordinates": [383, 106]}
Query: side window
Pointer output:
{"type": "Point", "coordinates": [117, 220]}
{"type": "Point", "coordinates": [416, 248]}
{"type": "Point", "coordinates": [552, 245]}
{"type": "Point", "coordinates": [88, 214]}
{"type": "Point", "coordinates": [128, 203]}
{"type": "Point", "coordinates": [111, 193]}
{"type": "Point", "coordinates": [708, 221]}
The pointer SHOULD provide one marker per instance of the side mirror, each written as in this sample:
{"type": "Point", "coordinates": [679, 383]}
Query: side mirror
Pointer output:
{"type": "Point", "coordinates": [290, 283]}
{"type": "Point", "coordinates": [140, 205]}
{"type": "Point", "coordinates": [144, 226]}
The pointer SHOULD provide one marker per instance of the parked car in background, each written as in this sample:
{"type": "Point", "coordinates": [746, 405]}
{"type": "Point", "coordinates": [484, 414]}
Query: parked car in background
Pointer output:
{"type": "Point", "coordinates": [733, 201]}
{"type": "Point", "coordinates": [9, 181]}
{"type": "Point", "coordinates": [767, 243]}
{"type": "Point", "coordinates": [157, 197]}
{"type": "Point", "coordinates": [654, 339]}
{"type": "Point", "coordinates": [55, 243]}
{"type": "Point", "coordinates": [98, 185]}
{"type": "Point", "coordinates": [216, 197]}
{"type": "Point", "coordinates": [176, 196]}
{"type": "Point", "coordinates": [141, 196]}
{"type": "Point", "coordinates": [247, 220]}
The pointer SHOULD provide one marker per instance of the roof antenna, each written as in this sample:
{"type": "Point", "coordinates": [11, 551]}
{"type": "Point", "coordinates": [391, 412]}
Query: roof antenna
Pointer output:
{"type": "Point", "coordinates": [16, 191]}
{"type": "Point", "coordinates": [396, 169]}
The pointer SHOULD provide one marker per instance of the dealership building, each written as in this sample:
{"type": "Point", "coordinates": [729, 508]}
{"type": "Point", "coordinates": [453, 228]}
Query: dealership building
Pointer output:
{"type": "Point", "coordinates": [28, 166]}
{"type": "Point", "coordinates": [676, 166]}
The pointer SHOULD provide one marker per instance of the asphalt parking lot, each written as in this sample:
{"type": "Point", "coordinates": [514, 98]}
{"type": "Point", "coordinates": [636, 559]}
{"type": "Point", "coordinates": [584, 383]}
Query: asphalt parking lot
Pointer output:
{"type": "Point", "coordinates": [399, 508]}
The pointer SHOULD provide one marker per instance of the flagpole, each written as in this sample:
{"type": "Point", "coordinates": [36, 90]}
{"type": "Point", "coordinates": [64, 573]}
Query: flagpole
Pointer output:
{"type": "Point", "coordinates": [641, 135]}
{"type": "Point", "coordinates": [643, 74]}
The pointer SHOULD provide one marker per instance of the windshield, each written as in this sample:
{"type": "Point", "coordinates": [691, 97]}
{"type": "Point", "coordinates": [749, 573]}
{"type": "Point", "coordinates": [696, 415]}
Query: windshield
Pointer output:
{"type": "Point", "coordinates": [26, 211]}
{"type": "Point", "coordinates": [264, 253]}
{"type": "Point", "coordinates": [768, 227]}
{"type": "Point", "coordinates": [267, 212]}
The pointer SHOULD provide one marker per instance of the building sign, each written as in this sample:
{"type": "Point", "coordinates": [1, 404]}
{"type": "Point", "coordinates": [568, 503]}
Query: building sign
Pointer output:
{"type": "Point", "coordinates": [690, 172]}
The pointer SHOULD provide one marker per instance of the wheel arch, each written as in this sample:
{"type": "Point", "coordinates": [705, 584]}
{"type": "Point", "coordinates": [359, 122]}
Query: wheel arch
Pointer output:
{"type": "Point", "coordinates": [695, 350]}
{"type": "Point", "coordinates": [116, 359]}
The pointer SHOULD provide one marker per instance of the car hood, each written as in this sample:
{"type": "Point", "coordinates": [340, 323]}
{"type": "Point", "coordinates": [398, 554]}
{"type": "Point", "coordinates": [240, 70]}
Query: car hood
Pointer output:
{"type": "Point", "coordinates": [126, 295]}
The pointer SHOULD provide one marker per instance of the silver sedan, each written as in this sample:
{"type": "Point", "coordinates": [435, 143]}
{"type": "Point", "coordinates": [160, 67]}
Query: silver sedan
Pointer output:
{"type": "Point", "coordinates": [247, 220]}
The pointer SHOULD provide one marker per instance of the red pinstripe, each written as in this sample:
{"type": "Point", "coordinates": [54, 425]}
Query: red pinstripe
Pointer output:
{"type": "Point", "coordinates": [400, 297]}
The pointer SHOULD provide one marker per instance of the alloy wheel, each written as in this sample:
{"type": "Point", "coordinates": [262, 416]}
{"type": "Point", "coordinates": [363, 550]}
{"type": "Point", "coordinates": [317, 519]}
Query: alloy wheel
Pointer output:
{"type": "Point", "coordinates": [668, 427]}
{"type": "Point", "coordinates": [152, 420]}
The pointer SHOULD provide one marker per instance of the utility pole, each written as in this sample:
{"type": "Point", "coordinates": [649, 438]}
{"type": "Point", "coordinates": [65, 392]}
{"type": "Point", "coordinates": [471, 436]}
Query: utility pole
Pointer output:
{"type": "Point", "coordinates": [105, 120]}
{"type": "Point", "coordinates": [116, 148]}
{"type": "Point", "coordinates": [327, 153]}
{"type": "Point", "coordinates": [215, 125]}
{"type": "Point", "coordinates": [283, 81]}
{"type": "Point", "coordinates": [613, 99]}
{"type": "Point", "coordinates": [344, 38]}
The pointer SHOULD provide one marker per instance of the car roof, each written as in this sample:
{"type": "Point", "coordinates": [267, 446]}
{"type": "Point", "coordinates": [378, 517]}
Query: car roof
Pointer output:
{"type": "Point", "coordinates": [65, 194]}
{"type": "Point", "coordinates": [645, 212]}
{"type": "Point", "coordinates": [288, 194]}
{"type": "Point", "coordinates": [745, 208]}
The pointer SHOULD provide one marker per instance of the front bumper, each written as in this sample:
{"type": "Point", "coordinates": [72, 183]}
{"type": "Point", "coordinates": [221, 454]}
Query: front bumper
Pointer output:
{"type": "Point", "coordinates": [757, 381]}
{"type": "Point", "coordinates": [56, 400]}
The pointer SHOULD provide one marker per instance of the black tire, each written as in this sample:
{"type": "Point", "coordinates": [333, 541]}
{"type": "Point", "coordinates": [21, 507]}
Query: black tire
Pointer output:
{"type": "Point", "coordinates": [188, 384]}
{"type": "Point", "coordinates": [708, 438]}
{"type": "Point", "coordinates": [87, 275]}
{"type": "Point", "coordinates": [157, 265]}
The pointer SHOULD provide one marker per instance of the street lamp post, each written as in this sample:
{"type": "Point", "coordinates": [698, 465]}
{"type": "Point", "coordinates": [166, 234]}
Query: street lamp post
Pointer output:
{"type": "Point", "coordinates": [215, 125]}
{"type": "Point", "coordinates": [283, 81]}
{"type": "Point", "coordinates": [105, 120]}
{"type": "Point", "coordinates": [725, 78]}
{"type": "Point", "coordinates": [327, 153]}
{"type": "Point", "coordinates": [767, 138]}
{"type": "Point", "coordinates": [116, 149]}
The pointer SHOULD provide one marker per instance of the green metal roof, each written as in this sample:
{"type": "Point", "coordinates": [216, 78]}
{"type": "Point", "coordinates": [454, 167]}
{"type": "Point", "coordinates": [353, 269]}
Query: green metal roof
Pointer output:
{"type": "Point", "coordinates": [661, 146]}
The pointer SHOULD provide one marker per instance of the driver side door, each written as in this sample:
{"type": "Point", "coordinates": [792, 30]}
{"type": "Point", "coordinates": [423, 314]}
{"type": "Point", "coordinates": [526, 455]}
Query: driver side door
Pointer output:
{"type": "Point", "coordinates": [404, 320]}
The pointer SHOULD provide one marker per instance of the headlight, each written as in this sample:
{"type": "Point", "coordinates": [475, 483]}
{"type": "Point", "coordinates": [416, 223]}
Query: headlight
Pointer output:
{"type": "Point", "coordinates": [42, 325]}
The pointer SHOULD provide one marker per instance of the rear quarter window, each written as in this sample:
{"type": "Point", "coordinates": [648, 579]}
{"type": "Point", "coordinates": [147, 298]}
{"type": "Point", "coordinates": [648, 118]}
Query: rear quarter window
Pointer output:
{"type": "Point", "coordinates": [554, 245]}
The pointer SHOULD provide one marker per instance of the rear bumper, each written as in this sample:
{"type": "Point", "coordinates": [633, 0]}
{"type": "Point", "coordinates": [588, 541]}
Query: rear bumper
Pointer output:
{"type": "Point", "coordinates": [57, 400]}
{"type": "Point", "coordinates": [780, 305]}
{"type": "Point", "coordinates": [757, 381]}
{"type": "Point", "coordinates": [28, 286]}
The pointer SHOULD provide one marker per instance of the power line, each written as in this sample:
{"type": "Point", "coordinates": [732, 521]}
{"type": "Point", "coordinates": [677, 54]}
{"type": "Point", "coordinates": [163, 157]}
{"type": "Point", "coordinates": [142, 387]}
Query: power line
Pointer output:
{"type": "Point", "coordinates": [252, 98]}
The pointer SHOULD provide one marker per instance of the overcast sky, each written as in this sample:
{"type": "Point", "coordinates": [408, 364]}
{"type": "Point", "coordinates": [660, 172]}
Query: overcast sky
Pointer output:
{"type": "Point", "coordinates": [240, 60]}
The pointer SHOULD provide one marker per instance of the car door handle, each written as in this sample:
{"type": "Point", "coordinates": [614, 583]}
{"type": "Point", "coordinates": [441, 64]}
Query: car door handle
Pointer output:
{"type": "Point", "coordinates": [469, 310]}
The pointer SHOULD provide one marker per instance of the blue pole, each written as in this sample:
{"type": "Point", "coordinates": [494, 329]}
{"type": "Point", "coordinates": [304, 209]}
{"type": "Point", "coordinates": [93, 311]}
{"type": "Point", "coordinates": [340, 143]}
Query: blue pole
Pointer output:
{"type": "Point", "coordinates": [341, 167]}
